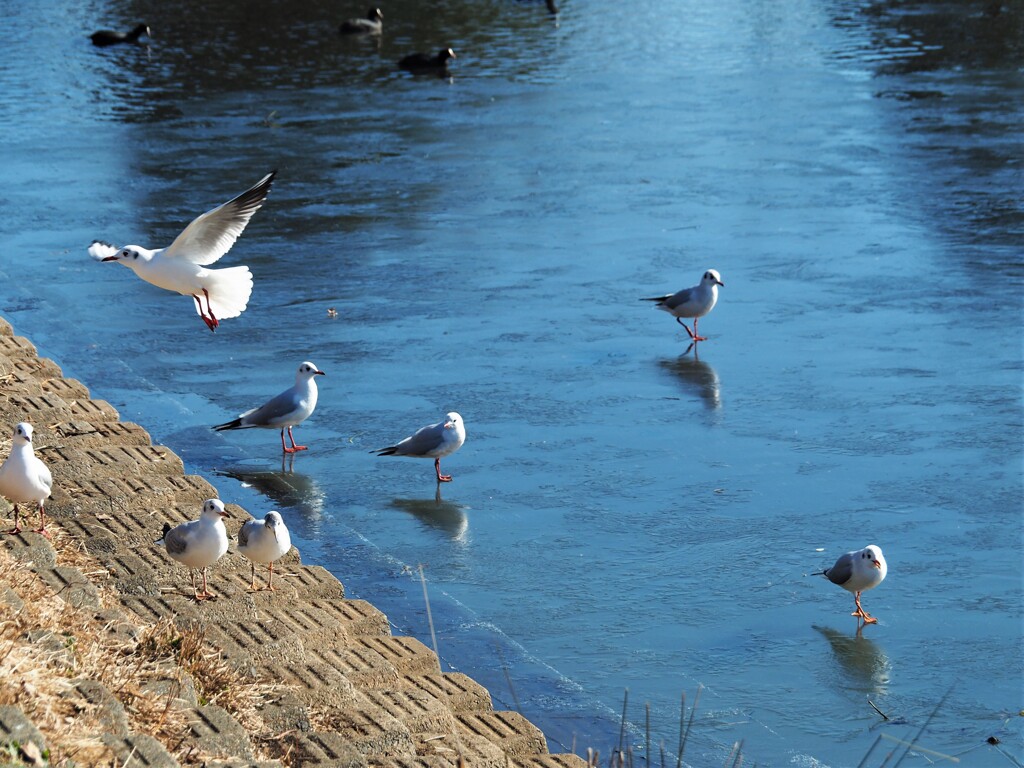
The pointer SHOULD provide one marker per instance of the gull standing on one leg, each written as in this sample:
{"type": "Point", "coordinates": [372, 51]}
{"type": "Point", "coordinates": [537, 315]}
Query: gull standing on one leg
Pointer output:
{"type": "Point", "coordinates": [287, 410]}
{"type": "Point", "coordinates": [180, 266]}
{"type": "Point", "coordinates": [264, 541]}
{"type": "Point", "coordinates": [198, 543]}
{"type": "Point", "coordinates": [692, 302]}
{"type": "Point", "coordinates": [25, 478]}
{"type": "Point", "coordinates": [857, 572]}
{"type": "Point", "coordinates": [432, 442]}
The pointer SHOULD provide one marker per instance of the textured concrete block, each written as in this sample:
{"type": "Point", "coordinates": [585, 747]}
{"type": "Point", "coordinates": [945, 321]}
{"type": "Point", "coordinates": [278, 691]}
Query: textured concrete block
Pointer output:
{"type": "Point", "coordinates": [109, 711]}
{"type": "Point", "coordinates": [139, 749]}
{"type": "Point", "coordinates": [461, 693]}
{"type": "Point", "coordinates": [71, 586]}
{"type": "Point", "coordinates": [14, 726]}
{"type": "Point", "coordinates": [213, 731]}
{"type": "Point", "coordinates": [510, 731]}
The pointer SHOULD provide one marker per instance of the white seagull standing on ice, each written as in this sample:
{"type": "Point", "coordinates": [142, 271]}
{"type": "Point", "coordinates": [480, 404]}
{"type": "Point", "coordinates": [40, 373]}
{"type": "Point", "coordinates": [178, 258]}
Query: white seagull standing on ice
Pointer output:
{"type": "Point", "coordinates": [199, 543]}
{"type": "Point", "coordinates": [24, 478]}
{"type": "Point", "coordinates": [180, 266]}
{"type": "Point", "coordinates": [432, 442]}
{"type": "Point", "coordinates": [264, 541]}
{"type": "Point", "coordinates": [692, 302]}
{"type": "Point", "coordinates": [856, 572]}
{"type": "Point", "coordinates": [287, 410]}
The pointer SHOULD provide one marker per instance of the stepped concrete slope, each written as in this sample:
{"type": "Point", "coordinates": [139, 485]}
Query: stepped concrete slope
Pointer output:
{"type": "Point", "coordinates": [352, 693]}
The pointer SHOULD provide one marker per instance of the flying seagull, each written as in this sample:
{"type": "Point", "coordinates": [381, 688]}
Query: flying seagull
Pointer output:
{"type": "Point", "coordinates": [181, 266]}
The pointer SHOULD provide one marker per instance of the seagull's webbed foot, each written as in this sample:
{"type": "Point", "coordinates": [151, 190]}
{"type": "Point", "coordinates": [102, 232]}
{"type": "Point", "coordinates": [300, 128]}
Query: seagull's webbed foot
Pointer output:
{"type": "Point", "coordinates": [437, 469]}
{"type": "Point", "coordinates": [43, 532]}
{"type": "Point", "coordinates": [14, 531]}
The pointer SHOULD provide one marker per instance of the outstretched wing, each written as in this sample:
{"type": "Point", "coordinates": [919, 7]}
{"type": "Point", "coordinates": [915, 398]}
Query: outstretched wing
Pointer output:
{"type": "Point", "coordinates": [100, 250]}
{"type": "Point", "coordinates": [211, 235]}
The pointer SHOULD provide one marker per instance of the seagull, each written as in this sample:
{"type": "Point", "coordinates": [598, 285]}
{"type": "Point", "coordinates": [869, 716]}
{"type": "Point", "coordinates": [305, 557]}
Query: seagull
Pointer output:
{"type": "Point", "coordinates": [264, 541]}
{"type": "Point", "coordinates": [692, 302]}
{"type": "Point", "coordinates": [199, 543]}
{"type": "Point", "coordinates": [422, 62]}
{"type": "Point", "coordinates": [105, 37]}
{"type": "Point", "coordinates": [24, 478]}
{"type": "Point", "coordinates": [432, 442]}
{"type": "Point", "coordinates": [180, 266]}
{"type": "Point", "coordinates": [856, 572]}
{"type": "Point", "coordinates": [287, 410]}
{"type": "Point", "coordinates": [372, 24]}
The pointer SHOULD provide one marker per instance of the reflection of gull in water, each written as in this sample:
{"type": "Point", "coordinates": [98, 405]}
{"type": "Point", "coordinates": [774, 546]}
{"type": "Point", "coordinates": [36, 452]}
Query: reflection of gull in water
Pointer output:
{"type": "Point", "coordinates": [697, 376]}
{"type": "Point", "coordinates": [286, 488]}
{"type": "Point", "coordinates": [437, 513]}
{"type": "Point", "coordinates": [864, 665]}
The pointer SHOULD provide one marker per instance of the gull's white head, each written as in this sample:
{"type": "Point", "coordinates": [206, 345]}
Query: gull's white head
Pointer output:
{"type": "Point", "coordinates": [712, 278]}
{"type": "Point", "coordinates": [213, 509]}
{"type": "Point", "coordinates": [452, 420]}
{"type": "Point", "coordinates": [131, 256]}
{"type": "Point", "coordinates": [22, 434]}
{"type": "Point", "coordinates": [273, 519]}
{"type": "Point", "coordinates": [307, 371]}
{"type": "Point", "coordinates": [870, 560]}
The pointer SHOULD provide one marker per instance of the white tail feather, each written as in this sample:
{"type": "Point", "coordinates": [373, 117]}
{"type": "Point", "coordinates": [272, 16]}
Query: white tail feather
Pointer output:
{"type": "Point", "coordinates": [229, 291]}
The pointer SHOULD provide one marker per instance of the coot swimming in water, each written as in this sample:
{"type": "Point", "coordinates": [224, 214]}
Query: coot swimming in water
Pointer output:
{"type": "Point", "coordinates": [423, 62]}
{"type": "Point", "coordinates": [105, 37]}
{"type": "Point", "coordinates": [371, 25]}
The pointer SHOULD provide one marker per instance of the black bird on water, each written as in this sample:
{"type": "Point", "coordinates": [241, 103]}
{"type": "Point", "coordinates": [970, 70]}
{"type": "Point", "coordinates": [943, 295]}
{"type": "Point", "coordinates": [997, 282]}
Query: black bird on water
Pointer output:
{"type": "Point", "coordinates": [423, 62]}
{"type": "Point", "coordinates": [105, 37]}
{"type": "Point", "coordinates": [372, 24]}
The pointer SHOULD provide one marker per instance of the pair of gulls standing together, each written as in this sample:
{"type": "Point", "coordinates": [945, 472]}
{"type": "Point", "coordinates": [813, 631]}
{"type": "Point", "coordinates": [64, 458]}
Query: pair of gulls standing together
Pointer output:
{"type": "Point", "coordinates": [200, 543]}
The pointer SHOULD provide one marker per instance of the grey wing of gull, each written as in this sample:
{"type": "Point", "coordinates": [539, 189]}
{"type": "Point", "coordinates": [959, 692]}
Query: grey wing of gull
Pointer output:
{"type": "Point", "coordinates": [211, 235]}
{"type": "Point", "coordinates": [176, 540]}
{"type": "Point", "coordinates": [679, 298]}
{"type": "Point", "coordinates": [245, 531]}
{"type": "Point", "coordinates": [842, 571]}
{"type": "Point", "coordinates": [273, 411]}
{"type": "Point", "coordinates": [423, 442]}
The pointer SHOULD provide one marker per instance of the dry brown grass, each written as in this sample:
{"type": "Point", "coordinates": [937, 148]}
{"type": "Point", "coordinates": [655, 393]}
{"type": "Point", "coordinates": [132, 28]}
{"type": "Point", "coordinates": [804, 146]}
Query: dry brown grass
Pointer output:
{"type": "Point", "coordinates": [46, 644]}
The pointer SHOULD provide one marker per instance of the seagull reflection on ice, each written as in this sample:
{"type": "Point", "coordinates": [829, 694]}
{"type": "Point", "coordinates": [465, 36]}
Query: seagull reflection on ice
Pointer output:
{"type": "Point", "coordinates": [697, 376]}
{"type": "Point", "coordinates": [286, 488]}
{"type": "Point", "coordinates": [863, 664]}
{"type": "Point", "coordinates": [445, 516]}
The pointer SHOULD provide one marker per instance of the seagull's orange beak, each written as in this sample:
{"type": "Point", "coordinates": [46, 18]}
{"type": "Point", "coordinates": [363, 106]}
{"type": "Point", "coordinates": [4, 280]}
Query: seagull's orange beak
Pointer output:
{"type": "Point", "coordinates": [876, 564]}
{"type": "Point", "coordinates": [319, 373]}
{"type": "Point", "coordinates": [110, 258]}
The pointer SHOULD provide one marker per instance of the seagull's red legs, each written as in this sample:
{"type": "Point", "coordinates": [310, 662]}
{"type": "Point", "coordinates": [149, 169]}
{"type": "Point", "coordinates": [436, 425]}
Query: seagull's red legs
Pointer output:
{"type": "Point", "coordinates": [42, 522]}
{"type": "Point", "coordinates": [860, 612]}
{"type": "Point", "coordinates": [291, 437]}
{"type": "Point", "coordinates": [437, 468]}
{"type": "Point", "coordinates": [211, 322]}
{"type": "Point", "coordinates": [17, 528]}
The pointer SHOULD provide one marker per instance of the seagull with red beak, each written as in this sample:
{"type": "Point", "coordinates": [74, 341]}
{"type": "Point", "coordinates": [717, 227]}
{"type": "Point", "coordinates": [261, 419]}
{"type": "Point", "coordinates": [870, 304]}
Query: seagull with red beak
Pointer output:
{"type": "Point", "coordinates": [180, 267]}
{"type": "Point", "coordinates": [692, 302]}
{"type": "Point", "coordinates": [857, 572]}
{"type": "Point", "coordinates": [434, 441]}
{"type": "Point", "coordinates": [287, 410]}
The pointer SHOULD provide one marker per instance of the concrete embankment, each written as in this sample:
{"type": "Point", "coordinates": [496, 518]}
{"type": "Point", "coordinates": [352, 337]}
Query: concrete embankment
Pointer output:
{"type": "Point", "coordinates": [300, 676]}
